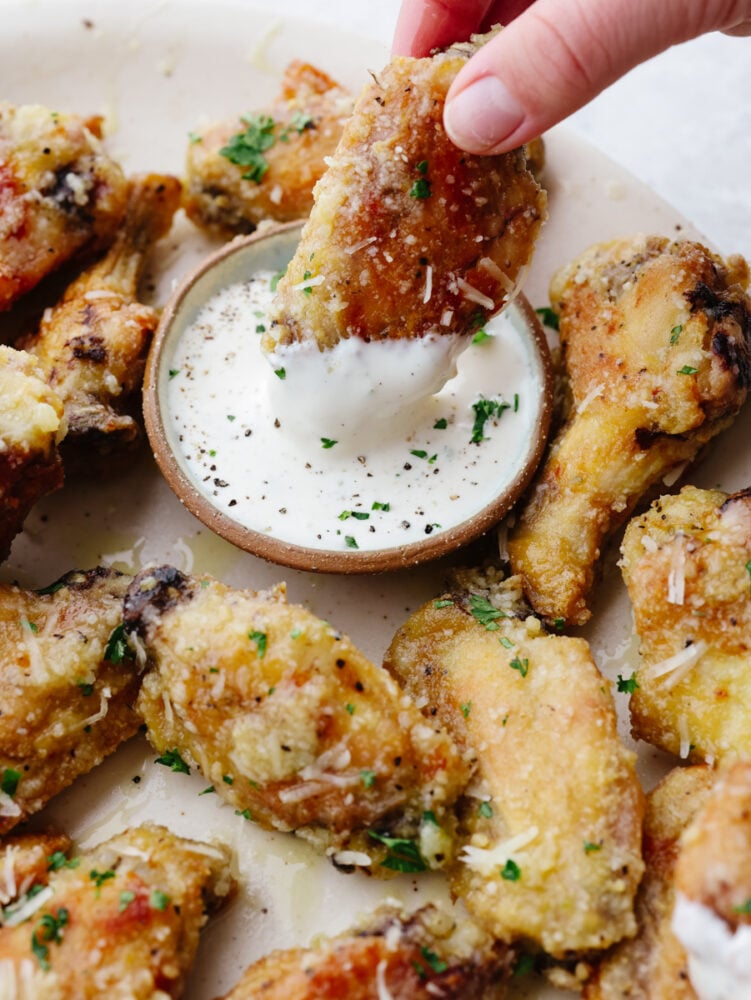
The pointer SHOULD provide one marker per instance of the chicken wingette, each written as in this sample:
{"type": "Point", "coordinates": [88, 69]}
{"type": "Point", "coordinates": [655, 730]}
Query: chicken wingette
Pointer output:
{"type": "Point", "coordinates": [68, 685]}
{"type": "Point", "coordinates": [686, 565]}
{"type": "Point", "coordinates": [92, 345]}
{"type": "Point", "coordinates": [653, 965]}
{"type": "Point", "coordinates": [26, 860]}
{"type": "Point", "coordinates": [657, 347]}
{"type": "Point", "coordinates": [265, 164]}
{"type": "Point", "coordinates": [408, 235]}
{"type": "Point", "coordinates": [404, 957]}
{"type": "Point", "coordinates": [32, 425]}
{"type": "Point", "coordinates": [119, 921]}
{"type": "Point", "coordinates": [550, 826]}
{"type": "Point", "coordinates": [289, 721]}
{"type": "Point", "coordinates": [60, 194]}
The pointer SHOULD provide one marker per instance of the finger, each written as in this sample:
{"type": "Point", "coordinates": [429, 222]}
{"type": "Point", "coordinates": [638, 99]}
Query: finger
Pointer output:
{"type": "Point", "coordinates": [423, 25]}
{"type": "Point", "coordinates": [555, 57]}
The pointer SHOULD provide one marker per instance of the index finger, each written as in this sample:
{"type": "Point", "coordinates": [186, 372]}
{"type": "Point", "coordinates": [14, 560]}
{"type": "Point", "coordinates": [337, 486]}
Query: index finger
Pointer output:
{"type": "Point", "coordinates": [423, 25]}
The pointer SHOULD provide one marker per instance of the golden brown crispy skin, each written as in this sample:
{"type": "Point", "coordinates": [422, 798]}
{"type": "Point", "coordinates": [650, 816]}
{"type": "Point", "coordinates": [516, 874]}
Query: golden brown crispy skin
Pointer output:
{"type": "Point", "coordinates": [551, 825]}
{"type": "Point", "coordinates": [426, 955]}
{"type": "Point", "coordinates": [408, 234]}
{"type": "Point", "coordinates": [31, 427]}
{"type": "Point", "coordinates": [685, 563]}
{"type": "Point", "coordinates": [92, 345]}
{"type": "Point", "coordinates": [284, 715]}
{"type": "Point", "coordinates": [60, 194]}
{"type": "Point", "coordinates": [308, 116]}
{"type": "Point", "coordinates": [26, 859]}
{"type": "Point", "coordinates": [652, 966]}
{"type": "Point", "coordinates": [714, 865]}
{"type": "Point", "coordinates": [123, 923]}
{"type": "Point", "coordinates": [63, 705]}
{"type": "Point", "coordinates": [657, 341]}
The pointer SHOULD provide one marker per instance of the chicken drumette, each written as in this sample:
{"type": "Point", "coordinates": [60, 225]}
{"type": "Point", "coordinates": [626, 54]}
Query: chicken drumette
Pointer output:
{"type": "Point", "coordinates": [657, 342]}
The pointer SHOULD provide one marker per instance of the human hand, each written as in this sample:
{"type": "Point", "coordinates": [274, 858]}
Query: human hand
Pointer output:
{"type": "Point", "coordinates": [553, 57]}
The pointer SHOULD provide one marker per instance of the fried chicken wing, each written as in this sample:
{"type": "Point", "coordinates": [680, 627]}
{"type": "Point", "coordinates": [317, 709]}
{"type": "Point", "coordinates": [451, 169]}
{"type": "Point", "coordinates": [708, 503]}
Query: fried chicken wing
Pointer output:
{"type": "Point", "coordinates": [92, 346]}
{"type": "Point", "coordinates": [25, 860]}
{"type": "Point", "coordinates": [686, 565]}
{"type": "Point", "coordinates": [67, 686]}
{"type": "Point", "coordinates": [657, 341]}
{"type": "Point", "coordinates": [285, 716]}
{"type": "Point", "coordinates": [264, 165]}
{"type": "Point", "coordinates": [409, 235]}
{"type": "Point", "coordinates": [712, 916]}
{"type": "Point", "coordinates": [427, 954]}
{"type": "Point", "coordinates": [60, 194]}
{"type": "Point", "coordinates": [551, 825]}
{"type": "Point", "coordinates": [652, 966]}
{"type": "Point", "coordinates": [31, 427]}
{"type": "Point", "coordinates": [121, 921]}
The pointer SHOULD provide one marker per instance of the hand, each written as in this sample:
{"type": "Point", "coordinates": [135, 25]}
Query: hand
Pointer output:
{"type": "Point", "coordinates": [553, 57]}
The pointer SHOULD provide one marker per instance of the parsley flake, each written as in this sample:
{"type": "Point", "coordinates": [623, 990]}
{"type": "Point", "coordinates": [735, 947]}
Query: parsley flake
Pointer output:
{"type": "Point", "coordinates": [9, 781]}
{"type": "Point", "coordinates": [590, 847]}
{"type": "Point", "coordinates": [403, 854]}
{"type": "Point", "coordinates": [441, 424]}
{"type": "Point", "coordinates": [368, 777]}
{"type": "Point", "coordinates": [328, 442]}
{"type": "Point", "coordinates": [377, 505]}
{"type": "Point", "coordinates": [351, 542]}
{"type": "Point", "coordinates": [511, 872]}
{"type": "Point", "coordinates": [627, 685]}
{"type": "Point", "coordinates": [485, 809]}
{"type": "Point", "coordinates": [436, 964]}
{"type": "Point", "coordinates": [548, 317]}
{"type": "Point", "coordinates": [117, 648]}
{"type": "Point", "coordinates": [246, 149]}
{"type": "Point", "coordinates": [126, 898]}
{"type": "Point", "coordinates": [675, 333]}
{"type": "Point", "coordinates": [58, 860]}
{"type": "Point", "coordinates": [687, 370]}
{"type": "Point", "coordinates": [173, 760]}
{"type": "Point", "coordinates": [261, 640]}
{"type": "Point", "coordinates": [484, 612]}
{"type": "Point", "coordinates": [276, 279]}
{"type": "Point", "coordinates": [521, 665]}
{"type": "Point", "coordinates": [420, 189]}
{"type": "Point", "coordinates": [173, 372]}
{"type": "Point", "coordinates": [481, 336]}
{"type": "Point", "coordinates": [280, 373]}
{"type": "Point", "coordinates": [99, 878]}
{"type": "Point", "coordinates": [485, 409]}
{"type": "Point", "coordinates": [444, 603]}
{"type": "Point", "coordinates": [506, 642]}
{"type": "Point", "coordinates": [466, 708]}
{"type": "Point", "coordinates": [159, 900]}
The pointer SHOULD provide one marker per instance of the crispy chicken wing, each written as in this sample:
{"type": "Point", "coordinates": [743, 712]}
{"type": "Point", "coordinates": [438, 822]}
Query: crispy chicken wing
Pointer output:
{"type": "Point", "coordinates": [120, 921]}
{"type": "Point", "coordinates": [712, 916]}
{"type": "Point", "coordinates": [92, 346]}
{"type": "Point", "coordinates": [31, 427]}
{"type": "Point", "coordinates": [652, 966]}
{"type": "Point", "coordinates": [686, 565]}
{"type": "Point", "coordinates": [59, 194]}
{"type": "Point", "coordinates": [27, 859]}
{"type": "Point", "coordinates": [427, 954]}
{"type": "Point", "coordinates": [264, 165]}
{"type": "Point", "coordinates": [657, 341]}
{"type": "Point", "coordinates": [408, 235]}
{"type": "Point", "coordinates": [551, 824]}
{"type": "Point", "coordinates": [67, 686]}
{"type": "Point", "coordinates": [286, 717]}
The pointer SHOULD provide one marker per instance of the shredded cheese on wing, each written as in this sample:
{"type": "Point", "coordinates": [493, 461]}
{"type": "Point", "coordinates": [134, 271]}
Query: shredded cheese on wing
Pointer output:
{"type": "Point", "coordinates": [474, 294]}
{"type": "Point", "coordinates": [488, 860]}
{"type": "Point", "coordinates": [26, 907]}
{"type": "Point", "coordinates": [675, 667]}
{"type": "Point", "coordinates": [383, 991]}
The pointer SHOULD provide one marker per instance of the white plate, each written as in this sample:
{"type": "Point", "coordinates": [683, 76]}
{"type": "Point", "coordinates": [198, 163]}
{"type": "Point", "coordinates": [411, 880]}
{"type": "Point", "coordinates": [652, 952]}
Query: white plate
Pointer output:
{"type": "Point", "coordinates": [158, 70]}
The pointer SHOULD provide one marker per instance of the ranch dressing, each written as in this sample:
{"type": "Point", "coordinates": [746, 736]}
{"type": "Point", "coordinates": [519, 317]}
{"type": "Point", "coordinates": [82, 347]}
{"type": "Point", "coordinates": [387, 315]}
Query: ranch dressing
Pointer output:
{"type": "Point", "coordinates": [381, 457]}
{"type": "Point", "coordinates": [719, 960]}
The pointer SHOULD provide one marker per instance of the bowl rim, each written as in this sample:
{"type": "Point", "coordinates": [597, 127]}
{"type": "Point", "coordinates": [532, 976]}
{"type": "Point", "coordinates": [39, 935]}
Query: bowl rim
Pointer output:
{"type": "Point", "coordinates": [300, 557]}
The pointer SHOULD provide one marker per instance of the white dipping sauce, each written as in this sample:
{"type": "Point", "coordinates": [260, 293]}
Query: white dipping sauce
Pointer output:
{"type": "Point", "coordinates": [351, 447]}
{"type": "Point", "coordinates": [719, 960]}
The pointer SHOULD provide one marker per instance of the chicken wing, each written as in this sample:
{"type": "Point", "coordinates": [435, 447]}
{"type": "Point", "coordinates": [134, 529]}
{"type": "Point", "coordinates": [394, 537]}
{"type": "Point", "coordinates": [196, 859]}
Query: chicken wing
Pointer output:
{"type": "Point", "coordinates": [26, 860]}
{"type": "Point", "coordinates": [67, 686]}
{"type": "Point", "coordinates": [686, 565]}
{"type": "Point", "coordinates": [657, 341]}
{"type": "Point", "coordinates": [264, 165]}
{"type": "Point", "coordinates": [60, 194]}
{"type": "Point", "coordinates": [31, 428]}
{"type": "Point", "coordinates": [712, 916]}
{"type": "Point", "coordinates": [291, 723]}
{"type": "Point", "coordinates": [409, 235]}
{"type": "Point", "coordinates": [551, 825]}
{"type": "Point", "coordinates": [92, 346]}
{"type": "Point", "coordinates": [120, 921]}
{"type": "Point", "coordinates": [653, 965]}
{"type": "Point", "coordinates": [427, 954]}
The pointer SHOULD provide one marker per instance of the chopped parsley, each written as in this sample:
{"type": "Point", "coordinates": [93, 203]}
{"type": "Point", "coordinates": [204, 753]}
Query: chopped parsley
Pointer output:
{"type": "Point", "coordinates": [173, 372]}
{"type": "Point", "coordinates": [350, 708]}
{"type": "Point", "coordinates": [51, 930]}
{"type": "Point", "coordinates": [58, 860]}
{"type": "Point", "coordinates": [675, 333]}
{"type": "Point", "coordinates": [687, 370]}
{"type": "Point", "coordinates": [359, 515]}
{"type": "Point", "coordinates": [444, 603]}
{"type": "Point", "coordinates": [377, 505]}
{"type": "Point", "coordinates": [246, 149]}
{"type": "Point", "coordinates": [261, 640]}
{"type": "Point", "coordinates": [521, 665]}
{"type": "Point", "coordinates": [485, 809]}
{"type": "Point", "coordinates": [208, 791]}
{"type": "Point", "coordinates": [744, 907]}
{"type": "Point", "coordinates": [627, 685]}
{"type": "Point", "coordinates": [548, 317]}
{"type": "Point", "coordinates": [748, 568]}
{"type": "Point", "coordinates": [159, 900]}
{"type": "Point", "coordinates": [86, 689]}
{"type": "Point", "coordinates": [117, 648]}
{"type": "Point", "coordinates": [228, 779]}
{"type": "Point", "coordinates": [484, 612]}
{"type": "Point", "coordinates": [590, 847]}
{"type": "Point", "coordinates": [368, 777]}
{"type": "Point", "coordinates": [485, 409]}
{"type": "Point", "coordinates": [276, 279]}
{"type": "Point", "coordinates": [99, 878]}
{"type": "Point", "coordinates": [173, 760]}
{"type": "Point", "coordinates": [126, 898]}
{"type": "Point", "coordinates": [29, 626]}
{"type": "Point", "coordinates": [436, 964]}
{"type": "Point", "coordinates": [280, 373]}
{"type": "Point", "coordinates": [418, 453]}
{"type": "Point", "coordinates": [299, 121]}
{"type": "Point", "coordinates": [52, 588]}
{"type": "Point", "coordinates": [403, 854]}
{"type": "Point", "coordinates": [481, 336]}
{"type": "Point", "coordinates": [441, 424]}
{"type": "Point", "coordinates": [328, 442]}
{"type": "Point", "coordinates": [524, 966]}
{"type": "Point", "coordinates": [466, 708]}
{"type": "Point", "coordinates": [511, 872]}
{"type": "Point", "coordinates": [9, 781]}
{"type": "Point", "coordinates": [194, 137]}
{"type": "Point", "coordinates": [245, 813]}
{"type": "Point", "coordinates": [351, 542]}
{"type": "Point", "coordinates": [558, 624]}
{"type": "Point", "coordinates": [506, 642]}
{"type": "Point", "coordinates": [421, 187]}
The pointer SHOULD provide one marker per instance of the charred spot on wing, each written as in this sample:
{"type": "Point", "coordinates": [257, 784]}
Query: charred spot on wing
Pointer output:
{"type": "Point", "coordinates": [154, 591]}
{"type": "Point", "coordinates": [71, 190]}
{"type": "Point", "coordinates": [739, 497]}
{"type": "Point", "coordinates": [89, 347]}
{"type": "Point", "coordinates": [80, 580]}
{"type": "Point", "coordinates": [645, 437]}
{"type": "Point", "coordinates": [735, 353]}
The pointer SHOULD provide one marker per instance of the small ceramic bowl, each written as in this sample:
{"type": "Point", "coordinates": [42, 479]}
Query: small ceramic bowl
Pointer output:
{"type": "Point", "coordinates": [272, 249]}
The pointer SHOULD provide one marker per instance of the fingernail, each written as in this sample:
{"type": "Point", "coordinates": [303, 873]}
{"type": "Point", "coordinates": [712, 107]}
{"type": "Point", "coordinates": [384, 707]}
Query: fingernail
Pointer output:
{"type": "Point", "coordinates": [482, 115]}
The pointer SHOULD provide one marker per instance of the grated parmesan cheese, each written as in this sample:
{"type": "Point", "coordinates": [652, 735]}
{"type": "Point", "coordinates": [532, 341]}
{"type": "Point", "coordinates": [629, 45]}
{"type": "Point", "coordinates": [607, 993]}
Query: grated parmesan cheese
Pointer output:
{"type": "Point", "coordinates": [677, 665]}
{"type": "Point", "coordinates": [25, 908]}
{"type": "Point", "coordinates": [383, 991]}
{"type": "Point", "coordinates": [487, 860]}
{"type": "Point", "coordinates": [428, 284]}
{"type": "Point", "coordinates": [474, 294]}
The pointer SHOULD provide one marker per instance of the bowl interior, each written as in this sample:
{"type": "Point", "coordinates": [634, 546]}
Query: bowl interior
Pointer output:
{"type": "Point", "coordinates": [271, 250]}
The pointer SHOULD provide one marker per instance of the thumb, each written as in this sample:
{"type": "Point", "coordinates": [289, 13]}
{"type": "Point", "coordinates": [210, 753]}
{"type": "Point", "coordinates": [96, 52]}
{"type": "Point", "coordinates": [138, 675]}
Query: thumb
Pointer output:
{"type": "Point", "coordinates": [557, 56]}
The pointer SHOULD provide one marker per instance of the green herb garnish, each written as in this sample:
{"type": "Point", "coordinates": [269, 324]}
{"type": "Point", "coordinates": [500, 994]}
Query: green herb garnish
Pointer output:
{"type": "Point", "coordinates": [328, 442]}
{"type": "Point", "coordinates": [485, 809]}
{"type": "Point", "coordinates": [485, 409]}
{"type": "Point", "coordinates": [511, 872]}
{"type": "Point", "coordinates": [403, 854]}
{"type": "Point", "coordinates": [627, 685]}
{"type": "Point", "coordinates": [173, 760]}
{"type": "Point", "coordinates": [687, 370]}
{"type": "Point", "coordinates": [521, 665]}
{"type": "Point", "coordinates": [548, 317]}
{"type": "Point", "coordinates": [246, 149]}
{"type": "Point", "coordinates": [117, 648]}
{"type": "Point", "coordinates": [159, 900]}
{"type": "Point", "coordinates": [261, 640]}
{"type": "Point", "coordinates": [9, 781]}
{"type": "Point", "coordinates": [484, 612]}
{"type": "Point", "coordinates": [675, 333]}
